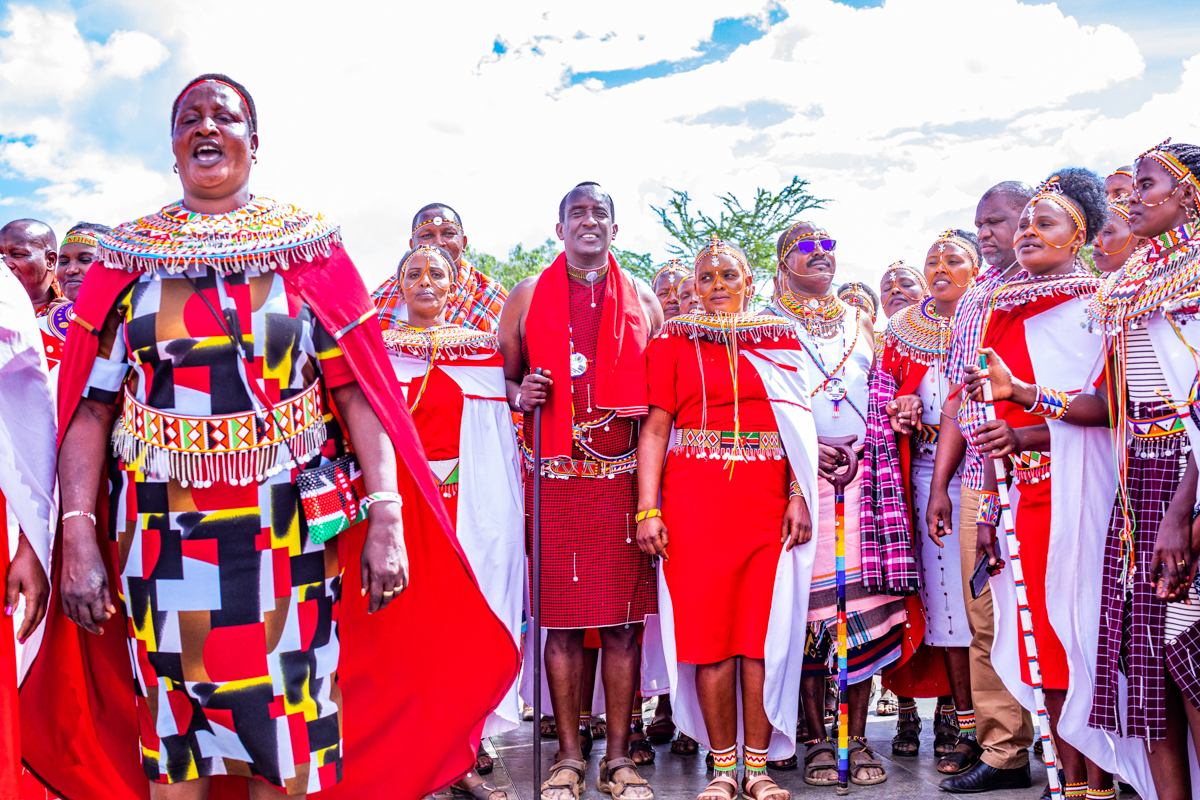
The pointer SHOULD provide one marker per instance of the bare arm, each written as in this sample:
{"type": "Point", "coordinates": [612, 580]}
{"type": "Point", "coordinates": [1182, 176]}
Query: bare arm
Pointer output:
{"type": "Point", "coordinates": [384, 555]}
{"type": "Point", "coordinates": [532, 389]}
{"type": "Point", "coordinates": [651, 307]}
{"type": "Point", "coordinates": [951, 447]}
{"type": "Point", "coordinates": [1086, 410]}
{"type": "Point", "coordinates": [84, 582]}
{"type": "Point", "coordinates": [1170, 570]}
{"type": "Point", "coordinates": [651, 452]}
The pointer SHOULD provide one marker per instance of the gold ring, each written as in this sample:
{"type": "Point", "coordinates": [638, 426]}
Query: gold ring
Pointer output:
{"type": "Point", "coordinates": [388, 594]}
{"type": "Point", "coordinates": [1181, 563]}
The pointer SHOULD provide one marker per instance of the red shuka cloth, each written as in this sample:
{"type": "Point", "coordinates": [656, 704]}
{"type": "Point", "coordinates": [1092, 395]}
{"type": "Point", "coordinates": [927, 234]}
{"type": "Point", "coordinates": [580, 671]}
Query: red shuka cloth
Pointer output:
{"type": "Point", "coordinates": [412, 718]}
{"type": "Point", "coordinates": [620, 348]}
{"type": "Point", "coordinates": [921, 670]}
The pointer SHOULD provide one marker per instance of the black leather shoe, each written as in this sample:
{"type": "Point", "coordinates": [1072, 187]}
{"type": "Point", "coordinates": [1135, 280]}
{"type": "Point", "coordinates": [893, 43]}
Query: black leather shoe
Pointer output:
{"type": "Point", "coordinates": [985, 778]}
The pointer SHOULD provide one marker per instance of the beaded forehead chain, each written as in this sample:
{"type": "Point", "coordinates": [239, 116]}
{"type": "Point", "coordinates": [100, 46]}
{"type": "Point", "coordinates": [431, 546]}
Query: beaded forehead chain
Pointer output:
{"type": "Point", "coordinates": [430, 253]}
{"type": "Point", "coordinates": [817, 232]}
{"type": "Point", "coordinates": [951, 236]}
{"type": "Point", "coordinates": [1172, 165]}
{"type": "Point", "coordinates": [673, 267]}
{"type": "Point", "coordinates": [900, 266]}
{"type": "Point", "coordinates": [1050, 189]}
{"type": "Point", "coordinates": [81, 237]}
{"type": "Point", "coordinates": [716, 248]}
{"type": "Point", "coordinates": [438, 221]}
{"type": "Point", "coordinates": [1115, 173]}
{"type": "Point", "coordinates": [1120, 208]}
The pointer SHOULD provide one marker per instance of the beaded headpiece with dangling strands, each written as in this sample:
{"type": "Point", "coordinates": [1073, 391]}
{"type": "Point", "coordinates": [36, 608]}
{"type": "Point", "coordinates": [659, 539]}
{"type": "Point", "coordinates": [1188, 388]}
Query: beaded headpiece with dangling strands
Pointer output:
{"type": "Point", "coordinates": [437, 221]}
{"type": "Point", "coordinates": [900, 266]}
{"type": "Point", "coordinates": [1177, 169]}
{"type": "Point", "coordinates": [1117, 208]}
{"type": "Point", "coordinates": [1050, 189]}
{"type": "Point", "coordinates": [951, 236]}
{"type": "Point", "coordinates": [673, 267]}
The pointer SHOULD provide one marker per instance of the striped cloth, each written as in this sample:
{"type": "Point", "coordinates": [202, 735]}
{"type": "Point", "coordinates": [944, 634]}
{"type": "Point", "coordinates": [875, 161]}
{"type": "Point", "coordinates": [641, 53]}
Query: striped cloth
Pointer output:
{"type": "Point", "coordinates": [889, 565]}
{"type": "Point", "coordinates": [965, 338]}
{"type": "Point", "coordinates": [1143, 374]}
{"type": "Point", "coordinates": [475, 301]}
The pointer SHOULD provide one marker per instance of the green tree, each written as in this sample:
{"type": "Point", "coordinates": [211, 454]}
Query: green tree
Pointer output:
{"type": "Point", "coordinates": [753, 226]}
{"type": "Point", "coordinates": [524, 262]}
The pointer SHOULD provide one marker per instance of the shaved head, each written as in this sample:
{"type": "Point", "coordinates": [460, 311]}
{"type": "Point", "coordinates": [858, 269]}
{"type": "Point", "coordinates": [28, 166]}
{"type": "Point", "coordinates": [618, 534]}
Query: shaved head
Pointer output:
{"type": "Point", "coordinates": [33, 231]}
{"type": "Point", "coordinates": [590, 187]}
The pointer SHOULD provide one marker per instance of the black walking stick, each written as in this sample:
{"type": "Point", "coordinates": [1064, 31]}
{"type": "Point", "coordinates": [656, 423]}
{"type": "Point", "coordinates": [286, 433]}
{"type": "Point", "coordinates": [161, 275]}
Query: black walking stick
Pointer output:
{"type": "Point", "coordinates": [537, 596]}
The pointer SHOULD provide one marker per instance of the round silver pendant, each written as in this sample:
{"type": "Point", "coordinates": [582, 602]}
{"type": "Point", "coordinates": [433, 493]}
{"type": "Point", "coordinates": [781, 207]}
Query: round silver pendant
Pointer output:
{"type": "Point", "coordinates": [579, 365]}
{"type": "Point", "coordinates": [835, 390]}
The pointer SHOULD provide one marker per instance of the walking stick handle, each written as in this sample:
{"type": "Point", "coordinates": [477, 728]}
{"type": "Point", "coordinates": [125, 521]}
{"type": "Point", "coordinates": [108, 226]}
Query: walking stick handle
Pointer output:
{"type": "Point", "coordinates": [843, 444]}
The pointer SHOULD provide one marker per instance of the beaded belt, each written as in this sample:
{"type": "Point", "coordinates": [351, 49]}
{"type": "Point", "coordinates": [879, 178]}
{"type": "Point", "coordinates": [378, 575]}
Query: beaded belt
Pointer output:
{"type": "Point", "coordinates": [742, 446]}
{"type": "Point", "coordinates": [582, 468]}
{"type": "Point", "coordinates": [233, 448]}
{"type": "Point", "coordinates": [926, 434]}
{"type": "Point", "coordinates": [1157, 436]}
{"type": "Point", "coordinates": [1031, 467]}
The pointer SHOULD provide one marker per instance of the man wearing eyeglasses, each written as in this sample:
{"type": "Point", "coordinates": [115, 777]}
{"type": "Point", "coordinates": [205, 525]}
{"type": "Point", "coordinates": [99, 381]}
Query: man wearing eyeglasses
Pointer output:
{"type": "Point", "coordinates": [839, 348]}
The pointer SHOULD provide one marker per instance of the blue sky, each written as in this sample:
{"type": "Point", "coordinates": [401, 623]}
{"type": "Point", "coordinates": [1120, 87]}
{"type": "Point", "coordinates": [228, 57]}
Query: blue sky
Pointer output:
{"type": "Point", "coordinates": [903, 111]}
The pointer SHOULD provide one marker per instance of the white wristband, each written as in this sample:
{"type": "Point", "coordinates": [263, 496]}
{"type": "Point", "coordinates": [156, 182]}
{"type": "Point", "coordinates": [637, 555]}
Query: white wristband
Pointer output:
{"type": "Point", "coordinates": [87, 514]}
{"type": "Point", "coordinates": [520, 407]}
{"type": "Point", "coordinates": [381, 497]}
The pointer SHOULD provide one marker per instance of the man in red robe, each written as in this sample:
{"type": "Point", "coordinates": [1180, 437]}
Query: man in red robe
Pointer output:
{"type": "Point", "coordinates": [585, 323]}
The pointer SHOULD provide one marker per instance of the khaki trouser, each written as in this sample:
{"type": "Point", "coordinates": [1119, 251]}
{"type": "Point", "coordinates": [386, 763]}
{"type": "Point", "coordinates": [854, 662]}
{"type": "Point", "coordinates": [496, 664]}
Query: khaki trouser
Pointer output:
{"type": "Point", "coordinates": [1004, 728]}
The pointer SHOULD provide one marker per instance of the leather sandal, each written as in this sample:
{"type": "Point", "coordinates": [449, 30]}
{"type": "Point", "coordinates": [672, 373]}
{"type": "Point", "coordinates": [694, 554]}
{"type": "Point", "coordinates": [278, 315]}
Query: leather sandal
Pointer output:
{"type": "Point", "coordinates": [483, 761]}
{"type": "Point", "coordinates": [772, 792]}
{"type": "Point", "coordinates": [960, 761]}
{"type": "Point", "coordinates": [607, 783]}
{"type": "Point", "coordinates": [566, 774]}
{"type": "Point", "coordinates": [907, 741]}
{"type": "Point", "coordinates": [547, 728]}
{"type": "Point", "coordinates": [643, 747]}
{"type": "Point", "coordinates": [481, 791]}
{"type": "Point", "coordinates": [813, 749]}
{"type": "Point", "coordinates": [859, 745]}
{"type": "Point", "coordinates": [945, 734]}
{"type": "Point", "coordinates": [784, 765]}
{"type": "Point", "coordinates": [684, 745]}
{"type": "Point", "coordinates": [660, 730]}
{"type": "Point", "coordinates": [714, 791]}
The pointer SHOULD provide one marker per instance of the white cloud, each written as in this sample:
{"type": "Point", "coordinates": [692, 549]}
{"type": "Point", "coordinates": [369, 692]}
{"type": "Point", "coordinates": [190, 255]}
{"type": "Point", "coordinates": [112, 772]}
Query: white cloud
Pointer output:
{"type": "Point", "coordinates": [130, 54]}
{"type": "Point", "coordinates": [904, 113]}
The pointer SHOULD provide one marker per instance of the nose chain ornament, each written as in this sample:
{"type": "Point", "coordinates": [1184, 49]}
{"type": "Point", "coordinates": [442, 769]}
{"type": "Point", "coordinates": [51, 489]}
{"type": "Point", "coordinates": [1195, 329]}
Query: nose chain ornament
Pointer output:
{"type": "Point", "coordinates": [951, 236]}
{"type": "Point", "coordinates": [1052, 191]}
{"type": "Point", "coordinates": [897, 267]}
{"type": "Point", "coordinates": [1172, 165]}
{"type": "Point", "coordinates": [429, 253]}
{"type": "Point", "coordinates": [716, 248]}
{"type": "Point", "coordinates": [1117, 208]}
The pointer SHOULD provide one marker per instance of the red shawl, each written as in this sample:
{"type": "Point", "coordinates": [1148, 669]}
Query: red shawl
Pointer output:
{"type": "Point", "coordinates": [412, 717]}
{"type": "Point", "coordinates": [621, 350]}
{"type": "Point", "coordinates": [921, 670]}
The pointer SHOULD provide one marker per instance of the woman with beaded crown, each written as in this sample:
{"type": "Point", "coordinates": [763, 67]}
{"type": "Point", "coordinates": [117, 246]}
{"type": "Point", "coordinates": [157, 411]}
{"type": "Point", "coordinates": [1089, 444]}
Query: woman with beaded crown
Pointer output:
{"type": "Point", "coordinates": [838, 347]}
{"type": "Point", "coordinates": [724, 383]}
{"type": "Point", "coordinates": [901, 286]}
{"type": "Point", "coordinates": [453, 381]}
{"type": "Point", "coordinates": [668, 287]}
{"type": "Point", "coordinates": [914, 357]}
{"type": "Point", "coordinates": [233, 344]}
{"type": "Point", "coordinates": [1116, 244]}
{"type": "Point", "coordinates": [1147, 617]}
{"type": "Point", "coordinates": [1032, 333]}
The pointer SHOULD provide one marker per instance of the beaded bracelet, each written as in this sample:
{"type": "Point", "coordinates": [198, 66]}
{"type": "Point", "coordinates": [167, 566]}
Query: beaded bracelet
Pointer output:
{"type": "Point", "coordinates": [381, 497]}
{"type": "Point", "coordinates": [641, 515]}
{"type": "Point", "coordinates": [795, 490]}
{"type": "Point", "coordinates": [989, 509]}
{"type": "Point", "coordinates": [1050, 403]}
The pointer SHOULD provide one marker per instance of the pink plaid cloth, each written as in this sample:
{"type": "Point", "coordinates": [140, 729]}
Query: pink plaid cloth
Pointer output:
{"type": "Point", "coordinates": [475, 301]}
{"type": "Point", "coordinates": [889, 564]}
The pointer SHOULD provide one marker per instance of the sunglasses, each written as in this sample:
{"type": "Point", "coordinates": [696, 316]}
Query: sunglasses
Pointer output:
{"type": "Point", "coordinates": [809, 245]}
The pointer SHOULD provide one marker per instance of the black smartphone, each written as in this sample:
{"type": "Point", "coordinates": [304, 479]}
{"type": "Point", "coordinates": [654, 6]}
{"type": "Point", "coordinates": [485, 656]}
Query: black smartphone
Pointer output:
{"type": "Point", "coordinates": [979, 577]}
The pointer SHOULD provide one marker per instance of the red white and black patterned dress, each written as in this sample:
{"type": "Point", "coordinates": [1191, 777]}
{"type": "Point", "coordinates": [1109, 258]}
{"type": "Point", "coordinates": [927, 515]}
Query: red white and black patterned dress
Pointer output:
{"type": "Point", "coordinates": [232, 610]}
{"type": "Point", "coordinates": [591, 564]}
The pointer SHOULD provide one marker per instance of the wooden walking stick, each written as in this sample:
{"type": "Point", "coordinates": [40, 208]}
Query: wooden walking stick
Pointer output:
{"type": "Point", "coordinates": [537, 596]}
{"type": "Point", "coordinates": [1023, 613]}
{"type": "Point", "coordinates": [840, 481]}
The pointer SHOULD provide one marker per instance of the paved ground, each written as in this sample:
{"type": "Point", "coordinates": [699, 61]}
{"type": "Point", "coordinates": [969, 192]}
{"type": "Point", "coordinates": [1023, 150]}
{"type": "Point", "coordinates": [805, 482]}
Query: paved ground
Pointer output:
{"type": "Point", "coordinates": [676, 777]}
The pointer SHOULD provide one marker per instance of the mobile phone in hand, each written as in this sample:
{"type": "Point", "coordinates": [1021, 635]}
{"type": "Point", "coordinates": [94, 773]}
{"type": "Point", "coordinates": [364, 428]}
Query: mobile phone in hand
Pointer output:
{"type": "Point", "coordinates": [979, 578]}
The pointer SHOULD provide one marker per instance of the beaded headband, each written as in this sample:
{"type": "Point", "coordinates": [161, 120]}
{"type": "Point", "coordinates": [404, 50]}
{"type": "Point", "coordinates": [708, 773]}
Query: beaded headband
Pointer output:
{"type": "Point", "coordinates": [798, 239]}
{"type": "Point", "coordinates": [1172, 165]}
{"type": "Point", "coordinates": [1050, 189]}
{"type": "Point", "coordinates": [81, 237]}
{"type": "Point", "coordinates": [673, 267]}
{"type": "Point", "coordinates": [194, 84]}
{"type": "Point", "coordinates": [1121, 172]}
{"type": "Point", "coordinates": [430, 252]}
{"type": "Point", "coordinates": [438, 221]}
{"type": "Point", "coordinates": [1120, 208]}
{"type": "Point", "coordinates": [951, 236]}
{"type": "Point", "coordinates": [716, 248]}
{"type": "Point", "coordinates": [900, 266]}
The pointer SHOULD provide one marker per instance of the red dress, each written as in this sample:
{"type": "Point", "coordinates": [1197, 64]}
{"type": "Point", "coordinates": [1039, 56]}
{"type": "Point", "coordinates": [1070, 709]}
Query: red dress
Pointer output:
{"type": "Point", "coordinates": [723, 523]}
{"type": "Point", "coordinates": [593, 573]}
{"type": "Point", "coordinates": [1006, 335]}
{"type": "Point", "coordinates": [438, 417]}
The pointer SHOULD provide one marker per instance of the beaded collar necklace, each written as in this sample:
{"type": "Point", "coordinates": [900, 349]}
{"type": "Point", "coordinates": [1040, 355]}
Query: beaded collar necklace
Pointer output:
{"type": "Point", "coordinates": [748, 327]}
{"type": "Point", "coordinates": [450, 341]}
{"type": "Point", "coordinates": [920, 333]}
{"type": "Point", "coordinates": [263, 235]}
{"type": "Point", "coordinates": [822, 317]}
{"type": "Point", "coordinates": [1157, 276]}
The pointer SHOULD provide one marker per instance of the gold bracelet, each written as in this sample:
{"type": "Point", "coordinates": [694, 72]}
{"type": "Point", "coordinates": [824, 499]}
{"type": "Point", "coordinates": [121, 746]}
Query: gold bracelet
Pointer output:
{"type": "Point", "coordinates": [641, 515]}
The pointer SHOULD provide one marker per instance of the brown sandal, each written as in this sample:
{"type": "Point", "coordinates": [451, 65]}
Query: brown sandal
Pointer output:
{"type": "Point", "coordinates": [812, 749]}
{"type": "Point", "coordinates": [907, 741]}
{"type": "Point", "coordinates": [641, 747]}
{"type": "Point", "coordinates": [607, 783]}
{"type": "Point", "coordinates": [959, 760]}
{"type": "Point", "coordinates": [684, 745]}
{"type": "Point", "coordinates": [561, 777]}
{"type": "Point", "coordinates": [481, 791]}
{"type": "Point", "coordinates": [859, 745]}
{"type": "Point", "coordinates": [772, 792]}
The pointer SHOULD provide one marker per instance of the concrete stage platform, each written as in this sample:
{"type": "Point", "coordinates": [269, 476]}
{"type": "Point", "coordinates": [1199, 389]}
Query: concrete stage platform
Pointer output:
{"type": "Point", "coordinates": [675, 777]}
